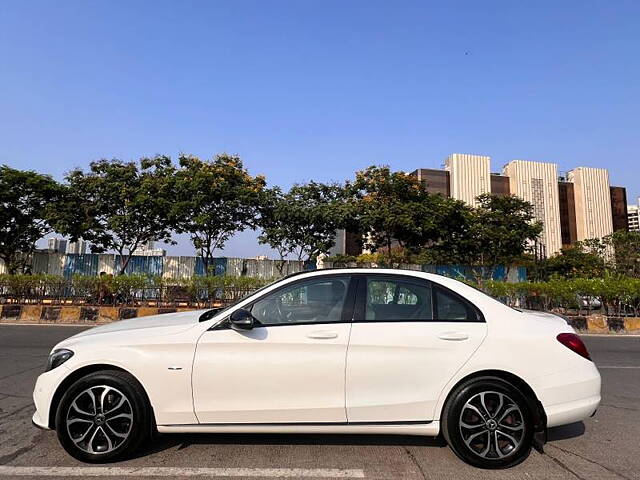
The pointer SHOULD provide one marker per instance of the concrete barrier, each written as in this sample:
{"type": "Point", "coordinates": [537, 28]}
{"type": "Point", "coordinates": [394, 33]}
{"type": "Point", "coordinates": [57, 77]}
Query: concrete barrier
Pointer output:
{"type": "Point", "coordinates": [75, 314]}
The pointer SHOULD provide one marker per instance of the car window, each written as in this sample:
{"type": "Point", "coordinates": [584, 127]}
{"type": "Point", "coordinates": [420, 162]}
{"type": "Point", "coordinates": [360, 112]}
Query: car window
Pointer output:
{"type": "Point", "coordinates": [449, 307]}
{"type": "Point", "coordinates": [317, 300]}
{"type": "Point", "coordinates": [396, 300]}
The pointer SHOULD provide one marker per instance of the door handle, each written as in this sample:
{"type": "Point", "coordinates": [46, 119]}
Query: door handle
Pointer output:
{"type": "Point", "coordinates": [323, 334]}
{"type": "Point", "coordinates": [453, 336]}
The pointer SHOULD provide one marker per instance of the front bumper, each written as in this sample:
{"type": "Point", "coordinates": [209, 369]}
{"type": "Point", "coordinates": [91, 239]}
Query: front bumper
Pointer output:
{"type": "Point", "coordinates": [37, 422]}
{"type": "Point", "coordinates": [43, 392]}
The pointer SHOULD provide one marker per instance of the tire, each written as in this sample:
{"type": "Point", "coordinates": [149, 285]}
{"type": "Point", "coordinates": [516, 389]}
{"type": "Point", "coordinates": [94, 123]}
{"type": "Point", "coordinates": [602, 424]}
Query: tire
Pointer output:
{"type": "Point", "coordinates": [495, 434]}
{"type": "Point", "coordinates": [103, 417]}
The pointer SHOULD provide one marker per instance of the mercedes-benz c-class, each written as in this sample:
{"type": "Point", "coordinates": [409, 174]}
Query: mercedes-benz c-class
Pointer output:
{"type": "Point", "coordinates": [369, 351]}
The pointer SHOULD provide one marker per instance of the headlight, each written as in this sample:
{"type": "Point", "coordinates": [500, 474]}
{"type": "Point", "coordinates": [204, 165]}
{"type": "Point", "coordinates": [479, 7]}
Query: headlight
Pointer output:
{"type": "Point", "coordinates": [58, 357]}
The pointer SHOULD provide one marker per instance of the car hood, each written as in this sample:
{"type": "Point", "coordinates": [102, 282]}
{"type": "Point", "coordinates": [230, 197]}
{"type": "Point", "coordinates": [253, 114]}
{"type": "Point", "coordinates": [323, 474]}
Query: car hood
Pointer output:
{"type": "Point", "coordinates": [152, 321]}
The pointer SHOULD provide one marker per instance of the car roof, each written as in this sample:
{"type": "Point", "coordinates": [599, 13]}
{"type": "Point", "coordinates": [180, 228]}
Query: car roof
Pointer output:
{"type": "Point", "coordinates": [364, 270]}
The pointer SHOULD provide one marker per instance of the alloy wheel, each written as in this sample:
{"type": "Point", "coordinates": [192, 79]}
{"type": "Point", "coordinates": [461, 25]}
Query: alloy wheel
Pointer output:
{"type": "Point", "coordinates": [492, 425]}
{"type": "Point", "coordinates": [99, 419]}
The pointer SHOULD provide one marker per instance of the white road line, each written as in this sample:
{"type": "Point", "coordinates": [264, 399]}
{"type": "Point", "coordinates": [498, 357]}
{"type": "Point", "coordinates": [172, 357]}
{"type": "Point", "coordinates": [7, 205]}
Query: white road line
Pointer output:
{"type": "Point", "coordinates": [617, 366]}
{"type": "Point", "coordinates": [23, 324]}
{"type": "Point", "coordinates": [177, 471]}
{"type": "Point", "coordinates": [610, 335]}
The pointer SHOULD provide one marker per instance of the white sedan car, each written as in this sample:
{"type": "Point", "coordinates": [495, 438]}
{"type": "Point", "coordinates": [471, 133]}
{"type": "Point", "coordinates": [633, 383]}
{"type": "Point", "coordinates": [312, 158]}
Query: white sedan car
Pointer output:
{"type": "Point", "coordinates": [330, 351]}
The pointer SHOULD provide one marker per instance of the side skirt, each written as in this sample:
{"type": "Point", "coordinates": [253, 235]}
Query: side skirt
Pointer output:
{"type": "Point", "coordinates": [430, 429]}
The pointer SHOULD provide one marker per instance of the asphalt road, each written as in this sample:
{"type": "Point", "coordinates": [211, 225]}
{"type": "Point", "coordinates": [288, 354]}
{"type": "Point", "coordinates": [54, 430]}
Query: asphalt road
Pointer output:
{"type": "Point", "coordinates": [604, 447]}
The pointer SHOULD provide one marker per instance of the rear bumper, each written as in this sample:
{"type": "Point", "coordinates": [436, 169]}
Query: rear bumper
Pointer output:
{"type": "Point", "coordinates": [571, 395]}
{"type": "Point", "coordinates": [570, 412]}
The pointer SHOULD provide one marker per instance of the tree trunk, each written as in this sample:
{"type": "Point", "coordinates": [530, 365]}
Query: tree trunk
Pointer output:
{"type": "Point", "coordinates": [124, 262]}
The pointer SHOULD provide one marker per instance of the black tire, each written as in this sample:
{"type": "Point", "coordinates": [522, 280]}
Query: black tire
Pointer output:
{"type": "Point", "coordinates": [463, 418]}
{"type": "Point", "coordinates": [83, 406]}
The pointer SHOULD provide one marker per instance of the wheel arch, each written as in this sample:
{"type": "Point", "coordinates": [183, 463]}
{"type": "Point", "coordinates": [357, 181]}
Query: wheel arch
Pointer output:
{"type": "Point", "coordinates": [540, 417]}
{"type": "Point", "coordinates": [82, 372]}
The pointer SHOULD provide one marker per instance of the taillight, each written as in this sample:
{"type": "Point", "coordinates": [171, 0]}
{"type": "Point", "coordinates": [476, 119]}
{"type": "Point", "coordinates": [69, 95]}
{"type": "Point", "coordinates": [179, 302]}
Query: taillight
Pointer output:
{"type": "Point", "coordinates": [574, 343]}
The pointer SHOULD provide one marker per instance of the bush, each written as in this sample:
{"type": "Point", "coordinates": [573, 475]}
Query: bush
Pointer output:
{"type": "Point", "coordinates": [620, 295]}
{"type": "Point", "coordinates": [126, 289]}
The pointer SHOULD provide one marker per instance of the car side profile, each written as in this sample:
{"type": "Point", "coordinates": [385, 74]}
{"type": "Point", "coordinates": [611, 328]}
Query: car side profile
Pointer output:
{"type": "Point", "coordinates": [371, 351]}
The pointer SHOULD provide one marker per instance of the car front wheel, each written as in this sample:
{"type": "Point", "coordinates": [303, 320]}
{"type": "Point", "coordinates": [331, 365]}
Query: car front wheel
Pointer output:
{"type": "Point", "coordinates": [103, 416]}
{"type": "Point", "coordinates": [488, 424]}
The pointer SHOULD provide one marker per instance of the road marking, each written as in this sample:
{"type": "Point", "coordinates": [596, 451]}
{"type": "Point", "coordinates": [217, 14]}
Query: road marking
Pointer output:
{"type": "Point", "coordinates": [176, 472]}
{"type": "Point", "coordinates": [610, 335]}
{"type": "Point", "coordinates": [617, 366]}
{"type": "Point", "coordinates": [77, 325]}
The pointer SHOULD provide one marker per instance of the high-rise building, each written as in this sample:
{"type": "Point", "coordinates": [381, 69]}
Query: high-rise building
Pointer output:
{"type": "Point", "coordinates": [537, 183]}
{"type": "Point", "coordinates": [592, 196]}
{"type": "Point", "coordinates": [57, 245]}
{"type": "Point", "coordinates": [633, 217]}
{"type": "Point", "coordinates": [566, 198]}
{"type": "Point", "coordinates": [619, 208]}
{"type": "Point", "coordinates": [500, 184]}
{"type": "Point", "coordinates": [582, 205]}
{"type": "Point", "coordinates": [469, 176]}
{"type": "Point", "coordinates": [149, 250]}
{"type": "Point", "coordinates": [434, 180]}
{"type": "Point", "coordinates": [79, 247]}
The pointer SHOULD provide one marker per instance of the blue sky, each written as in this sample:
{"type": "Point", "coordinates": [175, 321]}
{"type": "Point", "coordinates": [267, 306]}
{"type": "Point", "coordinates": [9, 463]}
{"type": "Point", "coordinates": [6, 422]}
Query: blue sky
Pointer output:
{"type": "Point", "coordinates": [318, 89]}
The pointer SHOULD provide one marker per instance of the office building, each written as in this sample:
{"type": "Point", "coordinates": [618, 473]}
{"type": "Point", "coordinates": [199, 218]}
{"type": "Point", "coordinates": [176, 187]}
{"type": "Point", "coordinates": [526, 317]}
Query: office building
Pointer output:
{"type": "Point", "coordinates": [57, 245]}
{"type": "Point", "coordinates": [434, 180]}
{"type": "Point", "coordinates": [77, 248]}
{"type": "Point", "coordinates": [574, 207]}
{"type": "Point", "coordinates": [592, 197]}
{"type": "Point", "coordinates": [633, 217]}
{"type": "Point", "coordinates": [469, 176]}
{"type": "Point", "coordinates": [566, 198]}
{"type": "Point", "coordinates": [619, 208]}
{"type": "Point", "coordinates": [537, 183]}
{"type": "Point", "coordinates": [149, 250]}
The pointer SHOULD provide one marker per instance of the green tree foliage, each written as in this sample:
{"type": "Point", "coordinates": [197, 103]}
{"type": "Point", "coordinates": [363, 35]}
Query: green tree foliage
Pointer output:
{"type": "Point", "coordinates": [385, 207]}
{"type": "Point", "coordinates": [213, 200]}
{"type": "Point", "coordinates": [573, 262]}
{"type": "Point", "coordinates": [502, 230]}
{"type": "Point", "coordinates": [303, 221]}
{"type": "Point", "coordinates": [625, 247]}
{"type": "Point", "coordinates": [27, 202]}
{"type": "Point", "coordinates": [617, 254]}
{"type": "Point", "coordinates": [398, 216]}
{"type": "Point", "coordinates": [120, 205]}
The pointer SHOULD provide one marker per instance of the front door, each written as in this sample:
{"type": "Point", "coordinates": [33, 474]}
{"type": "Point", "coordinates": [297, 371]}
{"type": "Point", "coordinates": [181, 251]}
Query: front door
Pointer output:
{"type": "Point", "coordinates": [408, 339]}
{"type": "Point", "coordinates": [290, 368]}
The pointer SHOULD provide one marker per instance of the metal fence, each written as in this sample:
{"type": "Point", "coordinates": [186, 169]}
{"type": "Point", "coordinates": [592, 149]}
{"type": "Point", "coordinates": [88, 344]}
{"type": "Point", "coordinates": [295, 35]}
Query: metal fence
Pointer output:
{"type": "Point", "coordinates": [68, 293]}
{"type": "Point", "coordinates": [170, 267]}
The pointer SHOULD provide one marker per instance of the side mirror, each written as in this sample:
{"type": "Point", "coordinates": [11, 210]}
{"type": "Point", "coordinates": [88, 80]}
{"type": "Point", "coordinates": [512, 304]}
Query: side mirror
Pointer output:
{"type": "Point", "coordinates": [241, 320]}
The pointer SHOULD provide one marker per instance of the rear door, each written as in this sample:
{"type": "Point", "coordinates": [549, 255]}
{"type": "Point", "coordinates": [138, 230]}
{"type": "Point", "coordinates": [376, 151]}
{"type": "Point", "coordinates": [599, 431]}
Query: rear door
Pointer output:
{"type": "Point", "coordinates": [408, 338]}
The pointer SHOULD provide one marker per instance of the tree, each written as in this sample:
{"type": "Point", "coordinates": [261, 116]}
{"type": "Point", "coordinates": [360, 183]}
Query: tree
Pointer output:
{"type": "Point", "coordinates": [502, 230]}
{"type": "Point", "coordinates": [445, 231]}
{"type": "Point", "coordinates": [215, 199]}
{"type": "Point", "coordinates": [395, 209]}
{"type": "Point", "coordinates": [27, 201]}
{"type": "Point", "coordinates": [625, 247]}
{"type": "Point", "coordinates": [386, 206]}
{"type": "Point", "coordinates": [572, 262]}
{"type": "Point", "coordinates": [303, 222]}
{"type": "Point", "coordinates": [120, 205]}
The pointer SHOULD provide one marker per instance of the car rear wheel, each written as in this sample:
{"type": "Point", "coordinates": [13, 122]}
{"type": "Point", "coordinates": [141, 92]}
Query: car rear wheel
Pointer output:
{"type": "Point", "coordinates": [488, 424]}
{"type": "Point", "coordinates": [103, 416]}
